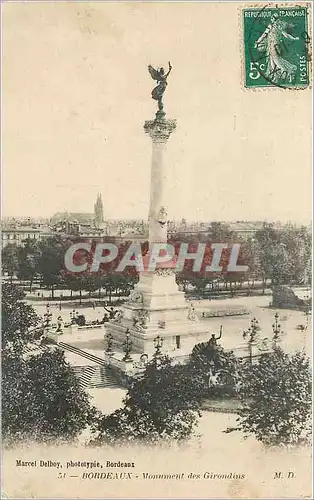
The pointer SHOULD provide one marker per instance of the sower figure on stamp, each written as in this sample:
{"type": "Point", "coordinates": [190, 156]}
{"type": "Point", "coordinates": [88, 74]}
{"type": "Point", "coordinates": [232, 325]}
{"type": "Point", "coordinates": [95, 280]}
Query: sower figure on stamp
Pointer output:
{"type": "Point", "coordinates": [272, 42]}
{"type": "Point", "coordinates": [161, 77]}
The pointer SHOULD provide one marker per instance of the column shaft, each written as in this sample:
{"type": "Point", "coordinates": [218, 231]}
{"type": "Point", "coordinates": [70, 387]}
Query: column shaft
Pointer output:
{"type": "Point", "coordinates": [157, 211]}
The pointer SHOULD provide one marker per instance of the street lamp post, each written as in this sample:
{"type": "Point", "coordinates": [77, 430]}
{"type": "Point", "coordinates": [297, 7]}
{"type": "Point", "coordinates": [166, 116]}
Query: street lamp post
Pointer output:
{"type": "Point", "coordinates": [247, 335]}
{"type": "Point", "coordinates": [127, 346]}
{"type": "Point", "coordinates": [250, 334]}
{"type": "Point", "coordinates": [158, 342]}
{"type": "Point", "coordinates": [277, 331]}
{"type": "Point", "coordinates": [255, 327]}
{"type": "Point", "coordinates": [59, 325]}
{"type": "Point", "coordinates": [72, 317]}
{"type": "Point", "coordinates": [109, 349]}
{"type": "Point", "coordinates": [307, 310]}
{"type": "Point", "coordinates": [307, 313]}
{"type": "Point", "coordinates": [47, 317]}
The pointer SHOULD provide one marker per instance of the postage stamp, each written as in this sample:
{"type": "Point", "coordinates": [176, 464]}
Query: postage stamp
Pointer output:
{"type": "Point", "coordinates": [276, 46]}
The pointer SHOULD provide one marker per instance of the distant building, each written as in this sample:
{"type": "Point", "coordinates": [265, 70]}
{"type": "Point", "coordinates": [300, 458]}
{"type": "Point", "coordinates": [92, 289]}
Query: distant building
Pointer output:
{"type": "Point", "coordinates": [82, 217]}
{"type": "Point", "coordinates": [99, 212]}
{"type": "Point", "coordinates": [131, 236]}
{"type": "Point", "coordinates": [16, 234]}
{"type": "Point", "coordinates": [243, 229]}
{"type": "Point", "coordinates": [65, 221]}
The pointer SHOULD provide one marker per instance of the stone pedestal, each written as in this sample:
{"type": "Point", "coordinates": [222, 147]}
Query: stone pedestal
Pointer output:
{"type": "Point", "coordinates": [156, 307]}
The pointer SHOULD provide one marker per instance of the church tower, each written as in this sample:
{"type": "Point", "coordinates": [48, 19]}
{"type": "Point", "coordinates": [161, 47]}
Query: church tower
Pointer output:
{"type": "Point", "coordinates": [99, 211]}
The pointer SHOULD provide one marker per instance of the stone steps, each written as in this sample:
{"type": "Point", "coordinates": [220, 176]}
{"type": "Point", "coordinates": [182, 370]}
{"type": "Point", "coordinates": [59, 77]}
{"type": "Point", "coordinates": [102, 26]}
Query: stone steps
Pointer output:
{"type": "Point", "coordinates": [91, 376]}
{"type": "Point", "coordinates": [94, 377]}
{"type": "Point", "coordinates": [84, 354]}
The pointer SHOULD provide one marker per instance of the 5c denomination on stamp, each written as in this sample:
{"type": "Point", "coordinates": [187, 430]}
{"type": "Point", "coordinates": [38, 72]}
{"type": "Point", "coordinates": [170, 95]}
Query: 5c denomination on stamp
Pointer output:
{"type": "Point", "coordinates": [276, 46]}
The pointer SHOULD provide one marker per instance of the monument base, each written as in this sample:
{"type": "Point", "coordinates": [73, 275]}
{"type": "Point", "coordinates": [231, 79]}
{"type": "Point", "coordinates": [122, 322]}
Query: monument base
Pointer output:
{"type": "Point", "coordinates": [156, 309]}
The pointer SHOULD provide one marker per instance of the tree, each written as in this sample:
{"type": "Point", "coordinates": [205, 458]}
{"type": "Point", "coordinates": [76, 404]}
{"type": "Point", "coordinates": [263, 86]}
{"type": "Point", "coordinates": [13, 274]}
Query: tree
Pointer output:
{"type": "Point", "coordinates": [250, 249]}
{"type": "Point", "coordinates": [220, 232]}
{"type": "Point", "coordinates": [276, 396]}
{"type": "Point", "coordinates": [162, 405]}
{"type": "Point", "coordinates": [41, 397]}
{"type": "Point", "coordinates": [76, 283]}
{"type": "Point", "coordinates": [90, 285]}
{"type": "Point", "coordinates": [298, 244]}
{"type": "Point", "coordinates": [29, 258]}
{"type": "Point", "coordinates": [284, 253]}
{"type": "Point", "coordinates": [18, 319]}
{"type": "Point", "coordinates": [125, 283]}
{"type": "Point", "coordinates": [272, 254]}
{"type": "Point", "coordinates": [51, 263]}
{"type": "Point", "coordinates": [183, 280]}
{"type": "Point", "coordinates": [10, 261]}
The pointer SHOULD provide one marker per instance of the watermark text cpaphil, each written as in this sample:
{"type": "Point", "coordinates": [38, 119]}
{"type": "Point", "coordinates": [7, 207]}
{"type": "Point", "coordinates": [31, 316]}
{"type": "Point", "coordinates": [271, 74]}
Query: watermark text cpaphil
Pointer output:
{"type": "Point", "coordinates": [84, 257]}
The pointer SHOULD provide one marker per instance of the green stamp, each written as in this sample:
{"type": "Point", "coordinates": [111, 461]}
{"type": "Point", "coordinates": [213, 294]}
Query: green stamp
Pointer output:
{"type": "Point", "coordinates": [276, 46]}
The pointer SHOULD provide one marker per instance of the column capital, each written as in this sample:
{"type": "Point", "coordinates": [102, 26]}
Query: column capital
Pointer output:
{"type": "Point", "coordinates": [160, 129]}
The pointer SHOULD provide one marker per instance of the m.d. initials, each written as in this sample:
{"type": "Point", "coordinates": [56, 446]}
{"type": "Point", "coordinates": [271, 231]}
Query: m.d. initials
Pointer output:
{"type": "Point", "coordinates": [287, 475]}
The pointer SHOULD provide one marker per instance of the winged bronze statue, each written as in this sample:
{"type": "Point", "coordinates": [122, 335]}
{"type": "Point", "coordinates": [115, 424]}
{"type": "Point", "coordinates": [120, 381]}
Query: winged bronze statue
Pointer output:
{"type": "Point", "coordinates": [161, 77]}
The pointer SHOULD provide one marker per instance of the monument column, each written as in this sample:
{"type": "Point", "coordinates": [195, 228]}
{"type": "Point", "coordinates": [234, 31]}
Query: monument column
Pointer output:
{"type": "Point", "coordinates": [156, 307]}
{"type": "Point", "coordinates": [159, 131]}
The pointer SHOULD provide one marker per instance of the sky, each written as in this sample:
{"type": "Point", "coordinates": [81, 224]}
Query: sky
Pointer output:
{"type": "Point", "coordinates": [76, 93]}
